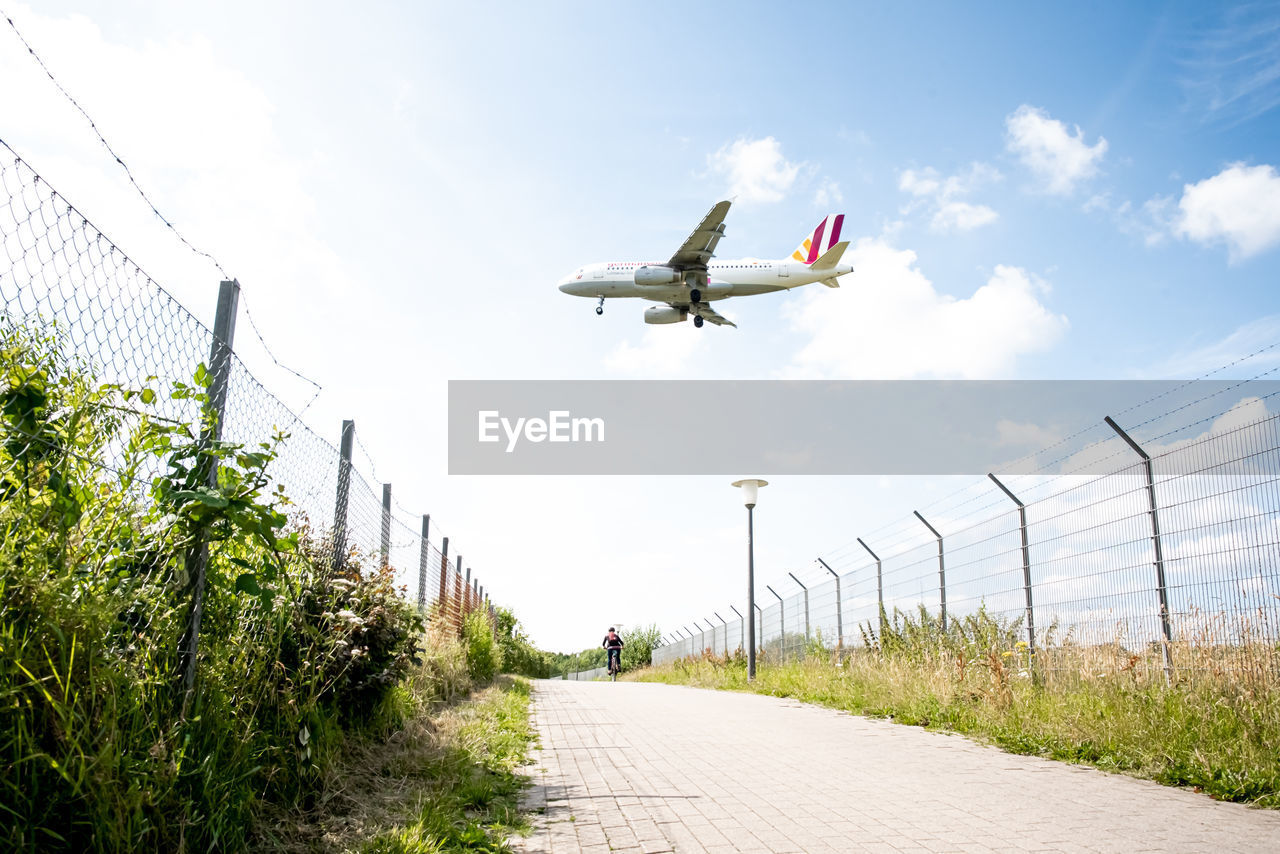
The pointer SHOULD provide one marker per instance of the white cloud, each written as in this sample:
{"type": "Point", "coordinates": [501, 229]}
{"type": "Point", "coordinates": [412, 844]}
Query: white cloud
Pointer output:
{"type": "Point", "coordinates": [662, 351]}
{"type": "Point", "coordinates": [962, 216]}
{"type": "Point", "coordinates": [1060, 158]}
{"type": "Point", "coordinates": [756, 170]}
{"type": "Point", "coordinates": [1231, 68]}
{"type": "Point", "coordinates": [1150, 221]}
{"type": "Point", "coordinates": [922, 183]}
{"type": "Point", "coordinates": [889, 322]}
{"type": "Point", "coordinates": [828, 193]}
{"type": "Point", "coordinates": [1026, 434]}
{"type": "Point", "coordinates": [1240, 206]}
{"type": "Point", "coordinates": [1246, 352]}
{"type": "Point", "coordinates": [941, 196]}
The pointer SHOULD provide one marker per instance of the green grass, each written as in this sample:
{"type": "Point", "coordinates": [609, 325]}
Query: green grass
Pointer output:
{"type": "Point", "coordinates": [455, 781]}
{"type": "Point", "coordinates": [106, 509]}
{"type": "Point", "coordinates": [1213, 735]}
{"type": "Point", "coordinates": [438, 774]}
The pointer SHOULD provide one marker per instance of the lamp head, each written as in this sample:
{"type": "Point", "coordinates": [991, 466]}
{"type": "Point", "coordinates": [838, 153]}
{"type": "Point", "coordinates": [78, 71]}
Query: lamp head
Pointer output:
{"type": "Point", "coordinates": [750, 489]}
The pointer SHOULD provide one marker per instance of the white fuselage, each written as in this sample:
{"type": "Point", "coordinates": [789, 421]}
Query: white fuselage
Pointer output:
{"type": "Point", "coordinates": [729, 278]}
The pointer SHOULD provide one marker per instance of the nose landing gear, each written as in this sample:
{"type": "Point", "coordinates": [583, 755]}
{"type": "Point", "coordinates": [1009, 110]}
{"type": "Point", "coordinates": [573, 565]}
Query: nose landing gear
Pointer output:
{"type": "Point", "coordinates": [600, 307]}
{"type": "Point", "coordinates": [695, 295]}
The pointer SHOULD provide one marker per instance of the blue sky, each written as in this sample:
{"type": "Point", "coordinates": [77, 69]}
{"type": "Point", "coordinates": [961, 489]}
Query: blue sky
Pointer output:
{"type": "Point", "coordinates": [1037, 191]}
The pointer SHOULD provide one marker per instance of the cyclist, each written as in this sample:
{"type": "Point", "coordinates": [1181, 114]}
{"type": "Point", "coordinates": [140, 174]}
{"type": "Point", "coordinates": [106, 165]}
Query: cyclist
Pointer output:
{"type": "Point", "coordinates": [613, 643]}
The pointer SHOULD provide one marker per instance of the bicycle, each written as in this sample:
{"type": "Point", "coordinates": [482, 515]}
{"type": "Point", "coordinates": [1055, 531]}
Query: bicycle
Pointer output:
{"type": "Point", "coordinates": [615, 665]}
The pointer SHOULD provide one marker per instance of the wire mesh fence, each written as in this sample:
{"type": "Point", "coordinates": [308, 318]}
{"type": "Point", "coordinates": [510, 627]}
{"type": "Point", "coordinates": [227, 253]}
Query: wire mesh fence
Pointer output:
{"type": "Point", "coordinates": [587, 675]}
{"type": "Point", "coordinates": [1169, 562]}
{"type": "Point", "coordinates": [79, 313]}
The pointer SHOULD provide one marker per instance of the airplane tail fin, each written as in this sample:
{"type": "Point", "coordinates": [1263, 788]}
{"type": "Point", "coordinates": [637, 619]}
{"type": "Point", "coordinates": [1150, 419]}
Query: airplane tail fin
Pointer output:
{"type": "Point", "coordinates": [820, 241]}
{"type": "Point", "coordinates": [831, 257]}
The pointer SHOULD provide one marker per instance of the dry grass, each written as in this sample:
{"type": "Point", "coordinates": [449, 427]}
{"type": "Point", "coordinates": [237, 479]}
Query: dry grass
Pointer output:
{"type": "Point", "coordinates": [442, 737]}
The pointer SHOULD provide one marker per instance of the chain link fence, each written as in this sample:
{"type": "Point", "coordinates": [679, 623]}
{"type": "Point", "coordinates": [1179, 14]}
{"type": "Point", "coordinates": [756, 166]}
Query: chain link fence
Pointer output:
{"type": "Point", "coordinates": [586, 675]}
{"type": "Point", "coordinates": [71, 297]}
{"type": "Point", "coordinates": [1170, 561]}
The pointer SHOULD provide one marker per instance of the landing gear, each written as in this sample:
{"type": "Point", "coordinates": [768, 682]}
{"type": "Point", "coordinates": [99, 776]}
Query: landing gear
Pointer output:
{"type": "Point", "coordinates": [695, 295]}
{"type": "Point", "coordinates": [600, 307]}
{"type": "Point", "coordinates": [698, 321]}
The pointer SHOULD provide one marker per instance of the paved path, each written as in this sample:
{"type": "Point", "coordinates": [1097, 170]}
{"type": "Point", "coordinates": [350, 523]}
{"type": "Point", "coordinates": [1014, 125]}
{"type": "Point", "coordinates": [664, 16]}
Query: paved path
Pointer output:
{"type": "Point", "coordinates": [652, 768]}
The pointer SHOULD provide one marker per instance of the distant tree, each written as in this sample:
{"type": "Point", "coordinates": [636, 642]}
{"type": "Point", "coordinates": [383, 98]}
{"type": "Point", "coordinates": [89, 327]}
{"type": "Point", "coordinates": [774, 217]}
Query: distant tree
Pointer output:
{"type": "Point", "coordinates": [518, 654]}
{"type": "Point", "coordinates": [640, 643]}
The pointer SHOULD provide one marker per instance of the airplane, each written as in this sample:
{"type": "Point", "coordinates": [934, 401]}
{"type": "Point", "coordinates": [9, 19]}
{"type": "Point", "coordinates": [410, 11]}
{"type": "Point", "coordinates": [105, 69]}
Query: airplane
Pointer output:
{"type": "Point", "coordinates": [688, 283]}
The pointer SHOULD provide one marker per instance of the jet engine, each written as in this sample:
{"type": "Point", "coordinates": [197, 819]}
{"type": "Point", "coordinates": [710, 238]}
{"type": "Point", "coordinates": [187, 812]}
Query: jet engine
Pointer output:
{"type": "Point", "coordinates": [665, 314]}
{"type": "Point", "coordinates": [657, 276]}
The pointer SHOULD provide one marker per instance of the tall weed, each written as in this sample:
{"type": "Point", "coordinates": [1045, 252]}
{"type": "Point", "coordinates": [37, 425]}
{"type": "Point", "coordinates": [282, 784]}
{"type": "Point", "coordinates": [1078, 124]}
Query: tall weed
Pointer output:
{"type": "Point", "coordinates": [484, 654]}
{"type": "Point", "coordinates": [102, 505]}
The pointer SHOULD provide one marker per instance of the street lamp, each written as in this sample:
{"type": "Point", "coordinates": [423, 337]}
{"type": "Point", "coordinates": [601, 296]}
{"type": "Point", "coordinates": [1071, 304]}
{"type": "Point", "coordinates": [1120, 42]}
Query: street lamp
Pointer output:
{"type": "Point", "coordinates": [750, 490]}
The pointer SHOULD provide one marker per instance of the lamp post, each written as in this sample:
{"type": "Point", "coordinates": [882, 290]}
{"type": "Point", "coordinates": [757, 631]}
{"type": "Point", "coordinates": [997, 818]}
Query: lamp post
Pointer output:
{"type": "Point", "coordinates": [750, 490]}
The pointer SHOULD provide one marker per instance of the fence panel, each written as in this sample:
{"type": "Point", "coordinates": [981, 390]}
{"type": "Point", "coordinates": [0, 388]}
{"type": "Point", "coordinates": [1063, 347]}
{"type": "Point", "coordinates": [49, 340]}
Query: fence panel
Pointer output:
{"type": "Point", "coordinates": [66, 289]}
{"type": "Point", "coordinates": [1096, 554]}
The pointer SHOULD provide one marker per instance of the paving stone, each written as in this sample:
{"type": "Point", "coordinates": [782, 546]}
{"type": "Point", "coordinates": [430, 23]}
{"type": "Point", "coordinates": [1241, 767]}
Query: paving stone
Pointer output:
{"type": "Point", "coordinates": [656, 768]}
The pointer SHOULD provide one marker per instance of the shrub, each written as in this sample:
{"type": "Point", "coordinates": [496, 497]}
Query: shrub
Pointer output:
{"type": "Point", "coordinates": [484, 655]}
{"type": "Point", "coordinates": [518, 654]}
{"type": "Point", "coordinates": [100, 507]}
{"type": "Point", "coordinates": [640, 643]}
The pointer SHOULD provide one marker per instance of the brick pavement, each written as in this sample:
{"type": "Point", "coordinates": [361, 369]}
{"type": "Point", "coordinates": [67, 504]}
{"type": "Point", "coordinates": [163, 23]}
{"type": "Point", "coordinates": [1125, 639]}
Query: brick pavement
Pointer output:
{"type": "Point", "coordinates": [638, 767]}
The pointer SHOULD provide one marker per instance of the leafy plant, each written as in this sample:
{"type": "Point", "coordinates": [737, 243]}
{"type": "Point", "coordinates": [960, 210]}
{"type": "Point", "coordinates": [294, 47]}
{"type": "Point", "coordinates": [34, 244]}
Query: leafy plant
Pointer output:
{"type": "Point", "coordinates": [105, 508]}
{"type": "Point", "coordinates": [640, 643]}
{"type": "Point", "coordinates": [484, 655]}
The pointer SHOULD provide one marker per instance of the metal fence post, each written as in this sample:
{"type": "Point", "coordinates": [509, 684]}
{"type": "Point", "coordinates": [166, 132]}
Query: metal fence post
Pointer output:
{"type": "Point", "coordinates": [806, 605]}
{"type": "Point", "coordinates": [197, 558]}
{"type": "Point", "coordinates": [344, 494]}
{"type": "Point", "coordinates": [839, 606]}
{"type": "Point", "coordinates": [1162, 590]}
{"type": "Point", "coordinates": [879, 589]}
{"type": "Point", "coordinates": [742, 628]}
{"type": "Point", "coordinates": [457, 596]}
{"type": "Point", "coordinates": [726, 633]}
{"type": "Point", "coordinates": [782, 623]}
{"type": "Point", "coordinates": [466, 595]}
{"type": "Point", "coordinates": [386, 525]}
{"type": "Point", "coordinates": [442, 602]}
{"type": "Point", "coordinates": [1026, 561]}
{"type": "Point", "coordinates": [423, 553]}
{"type": "Point", "coordinates": [942, 571]}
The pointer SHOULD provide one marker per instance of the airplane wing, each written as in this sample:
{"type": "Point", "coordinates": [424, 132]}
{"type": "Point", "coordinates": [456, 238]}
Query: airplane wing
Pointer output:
{"type": "Point", "coordinates": [701, 245]}
{"type": "Point", "coordinates": [707, 313]}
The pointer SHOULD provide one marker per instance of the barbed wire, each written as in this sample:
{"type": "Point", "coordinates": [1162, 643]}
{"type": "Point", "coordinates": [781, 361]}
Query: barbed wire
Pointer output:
{"type": "Point", "coordinates": [102, 139]}
{"type": "Point", "coordinates": [244, 304]}
{"type": "Point", "coordinates": [1048, 465]}
{"type": "Point", "coordinates": [69, 286]}
{"type": "Point", "coordinates": [155, 210]}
